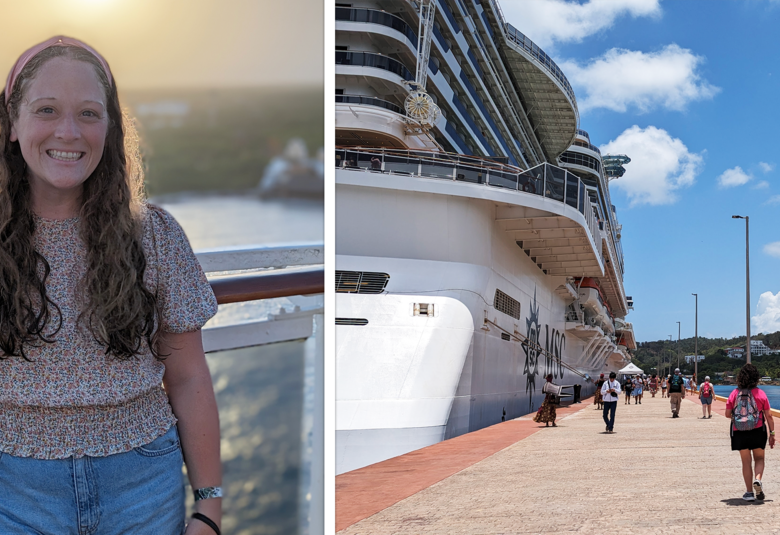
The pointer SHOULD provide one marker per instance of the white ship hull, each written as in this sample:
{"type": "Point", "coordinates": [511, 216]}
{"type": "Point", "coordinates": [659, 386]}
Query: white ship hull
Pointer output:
{"type": "Point", "coordinates": [405, 381]}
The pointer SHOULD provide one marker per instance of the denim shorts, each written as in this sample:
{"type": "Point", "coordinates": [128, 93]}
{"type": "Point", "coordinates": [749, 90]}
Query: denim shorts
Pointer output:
{"type": "Point", "coordinates": [140, 492]}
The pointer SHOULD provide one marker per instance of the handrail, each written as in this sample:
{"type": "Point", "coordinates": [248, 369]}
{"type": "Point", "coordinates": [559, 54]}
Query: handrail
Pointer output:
{"type": "Point", "coordinates": [544, 180]}
{"type": "Point", "coordinates": [240, 288]}
{"type": "Point", "coordinates": [369, 101]}
{"type": "Point", "coordinates": [375, 16]}
{"type": "Point", "coordinates": [372, 59]}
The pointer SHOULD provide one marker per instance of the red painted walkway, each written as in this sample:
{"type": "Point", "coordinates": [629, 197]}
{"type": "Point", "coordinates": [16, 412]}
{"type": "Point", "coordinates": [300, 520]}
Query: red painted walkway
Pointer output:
{"type": "Point", "coordinates": [366, 491]}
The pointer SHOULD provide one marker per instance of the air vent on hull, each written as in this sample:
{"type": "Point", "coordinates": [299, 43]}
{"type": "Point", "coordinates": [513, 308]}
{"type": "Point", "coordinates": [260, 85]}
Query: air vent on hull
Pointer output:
{"type": "Point", "coordinates": [361, 282]}
{"type": "Point", "coordinates": [351, 321]}
{"type": "Point", "coordinates": [503, 303]}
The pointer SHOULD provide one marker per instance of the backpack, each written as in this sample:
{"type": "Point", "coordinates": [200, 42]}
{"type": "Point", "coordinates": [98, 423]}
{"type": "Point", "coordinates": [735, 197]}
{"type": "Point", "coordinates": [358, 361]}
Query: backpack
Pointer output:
{"type": "Point", "coordinates": [745, 414]}
{"type": "Point", "coordinates": [675, 385]}
{"type": "Point", "coordinates": [706, 390]}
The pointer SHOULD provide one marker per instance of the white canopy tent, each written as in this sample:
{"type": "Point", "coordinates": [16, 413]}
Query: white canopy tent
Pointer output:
{"type": "Point", "coordinates": [631, 369]}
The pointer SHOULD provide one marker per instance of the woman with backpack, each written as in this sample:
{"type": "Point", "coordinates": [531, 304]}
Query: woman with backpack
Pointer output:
{"type": "Point", "coordinates": [706, 395]}
{"type": "Point", "coordinates": [748, 408]}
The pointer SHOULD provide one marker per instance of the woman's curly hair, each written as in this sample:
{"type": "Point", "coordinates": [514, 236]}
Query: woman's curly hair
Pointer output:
{"type": "Point", "coordinates": [748, 376]}
{"type": "Point", "coordinates": [117, 308]}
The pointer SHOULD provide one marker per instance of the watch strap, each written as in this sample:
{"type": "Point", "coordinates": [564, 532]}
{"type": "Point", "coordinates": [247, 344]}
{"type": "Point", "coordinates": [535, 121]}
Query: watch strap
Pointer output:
{"type": "Point", "coordinates": [207, 492]}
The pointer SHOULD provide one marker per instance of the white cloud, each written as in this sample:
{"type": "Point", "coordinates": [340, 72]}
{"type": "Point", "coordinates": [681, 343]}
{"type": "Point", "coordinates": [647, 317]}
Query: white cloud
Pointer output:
{"type": "Point", "coordinates": [761, 185]}
{"type": "Point", "coordinates": [766, 167]}
{"type": "Point", "coordinates": [550, 21]}
{"type": "Point", "coordinates": [733, 177]}
{"type": "Point", "coordinates": [774, 199]}
{"type": "Point", "coordinates": [772, 249]}
{"type": "Point", "coordinates": [767, 318]}
{"type": "Point", "coordinates": [660, 165]}
{"type": "Point", "coordinates": [667, 79]}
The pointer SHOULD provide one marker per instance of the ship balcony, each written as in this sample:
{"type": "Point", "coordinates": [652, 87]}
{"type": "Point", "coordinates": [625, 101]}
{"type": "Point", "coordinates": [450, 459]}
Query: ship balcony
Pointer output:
{"type": "Point", "coordinates": [546, 210]}
{"type": "Point", "coordinates": [549, 98]}
{"type": "Point", "coordinates": [382, 73]}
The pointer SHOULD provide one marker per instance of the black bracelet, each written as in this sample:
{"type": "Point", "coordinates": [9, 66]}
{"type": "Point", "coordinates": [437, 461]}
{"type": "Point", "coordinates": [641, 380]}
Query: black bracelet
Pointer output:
{"type": "Point", "coordinates": [206, 520]}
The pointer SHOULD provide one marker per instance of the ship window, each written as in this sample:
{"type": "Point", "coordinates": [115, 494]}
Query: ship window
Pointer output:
{"type": "Point", "coordinates": [339, 91]}
{"type": "Point", "coordinates": [423, 309]}
{"type": "Point", "coordinates": [351, 321]}
{"type": "Point", "coordinates": [361, 282]}
{"type": "Point", "coordinates": [341, 47]}
{"type": "Point", "coordinates": [503, 303]}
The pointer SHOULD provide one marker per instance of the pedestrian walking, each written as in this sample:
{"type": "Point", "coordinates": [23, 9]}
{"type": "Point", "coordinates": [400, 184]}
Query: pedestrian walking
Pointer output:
{"type": "Point", "coordinates": [546, 412]}
{"type": "Point", "coordinates": [663, 386]}
{"type": "Point", "coordinates": [676, 392]}
{"type": "Point", "coordinates": [706, 395]}
{"type": "Point", "coordinates": [748, 408]}
{"type": "Point", "coordinates": [653, 385]}
{"type": "Point", "coordinates": [637, 391]}
{"type": "Point", "coordinates": [628, 386]}
{"type": "Point", "coordinates": [610, 391]}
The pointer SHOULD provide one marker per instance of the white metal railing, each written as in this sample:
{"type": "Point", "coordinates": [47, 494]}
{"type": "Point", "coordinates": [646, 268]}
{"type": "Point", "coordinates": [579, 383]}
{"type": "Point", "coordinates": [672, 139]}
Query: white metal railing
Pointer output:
{"type": "Point", "coordinates": [234, 327]}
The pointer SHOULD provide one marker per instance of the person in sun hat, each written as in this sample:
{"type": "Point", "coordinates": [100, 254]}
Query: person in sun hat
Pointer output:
{"type": "Point", "coordinates": [610, 391]}
{"type": "Point", "coordinates": [105, 384]}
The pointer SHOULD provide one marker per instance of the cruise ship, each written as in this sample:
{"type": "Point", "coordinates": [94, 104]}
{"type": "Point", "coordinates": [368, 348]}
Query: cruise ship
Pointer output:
{"type": "Point", "coordinates": [477, 247]}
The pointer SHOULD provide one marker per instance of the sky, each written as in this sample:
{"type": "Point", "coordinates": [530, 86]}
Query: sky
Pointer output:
{"type": "Point", "coordinates": [689, 91]}
{"type": "Point", "coordinates": [152, 44]}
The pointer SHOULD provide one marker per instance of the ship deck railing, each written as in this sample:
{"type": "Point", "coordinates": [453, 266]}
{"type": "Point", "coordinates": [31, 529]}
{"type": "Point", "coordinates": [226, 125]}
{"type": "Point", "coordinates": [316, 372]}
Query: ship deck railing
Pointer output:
{"type": "Point", "coordinates": [251, 275]}
{"type": "Point", "coordinates": [544, 180]}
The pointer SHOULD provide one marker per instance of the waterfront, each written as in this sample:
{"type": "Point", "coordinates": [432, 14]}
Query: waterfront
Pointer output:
{"type": "Point", "coordinates": [260, 390]}
{"type": "Point", "coordinates": [772, 393]}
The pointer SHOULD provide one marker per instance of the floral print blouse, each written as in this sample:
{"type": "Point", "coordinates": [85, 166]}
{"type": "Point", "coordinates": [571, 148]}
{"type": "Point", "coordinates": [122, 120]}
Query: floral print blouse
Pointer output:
{"type": "Point", "coordinates": [73, 400]}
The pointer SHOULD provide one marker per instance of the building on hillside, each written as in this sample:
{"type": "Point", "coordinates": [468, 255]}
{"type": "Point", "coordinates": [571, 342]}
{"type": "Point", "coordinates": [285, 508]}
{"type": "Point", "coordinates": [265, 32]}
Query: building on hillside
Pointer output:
{"type": "Point", "coordinates": [757, 347]}
{"type": "Point", "coordinates": [735, 352]}
{"type": "Point", "coordinates": [690, 358]}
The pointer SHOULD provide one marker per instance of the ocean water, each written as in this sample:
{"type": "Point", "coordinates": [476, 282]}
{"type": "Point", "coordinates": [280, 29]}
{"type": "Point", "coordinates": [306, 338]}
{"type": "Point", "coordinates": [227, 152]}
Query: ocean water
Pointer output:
{"type": "Point", "coordinates": [772, 393]}
{"type": "Point", "coordinates": [264, 393]}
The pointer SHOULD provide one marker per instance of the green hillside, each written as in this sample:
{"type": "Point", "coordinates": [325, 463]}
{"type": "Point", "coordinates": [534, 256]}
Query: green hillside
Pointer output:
{"type": "Point", "coordinates": [660, 354]}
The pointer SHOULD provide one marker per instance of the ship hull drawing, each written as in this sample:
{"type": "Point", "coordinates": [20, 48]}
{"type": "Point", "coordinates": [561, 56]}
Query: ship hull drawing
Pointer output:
{"type": "Point", "coordinates": [464, 276]}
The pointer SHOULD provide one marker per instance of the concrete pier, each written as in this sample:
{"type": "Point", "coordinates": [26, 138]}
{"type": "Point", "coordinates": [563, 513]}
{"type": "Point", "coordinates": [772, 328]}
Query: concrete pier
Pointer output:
{"type": "Point", "coordinates": [655, 474]}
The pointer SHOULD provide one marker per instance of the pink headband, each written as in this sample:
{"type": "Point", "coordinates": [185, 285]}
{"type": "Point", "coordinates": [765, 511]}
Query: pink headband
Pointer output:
{"type": "Point", "coordinates": [58, 40]}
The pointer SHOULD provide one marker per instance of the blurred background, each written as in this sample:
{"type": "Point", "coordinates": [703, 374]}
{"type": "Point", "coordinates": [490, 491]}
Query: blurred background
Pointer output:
{"type": "Point", "coordinates": [228, 97]}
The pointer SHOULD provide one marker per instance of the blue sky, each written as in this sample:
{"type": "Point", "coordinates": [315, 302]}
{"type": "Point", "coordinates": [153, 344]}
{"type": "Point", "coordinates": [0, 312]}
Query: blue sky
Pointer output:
{"type": "Point", "coordinates": [691, 92]}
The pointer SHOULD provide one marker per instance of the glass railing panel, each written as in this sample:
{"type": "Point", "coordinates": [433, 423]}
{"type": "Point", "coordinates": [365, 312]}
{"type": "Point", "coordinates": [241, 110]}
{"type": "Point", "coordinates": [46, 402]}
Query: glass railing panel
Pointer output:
{"type": "Point", "coordinates": [531, 181]}
{"type": "Point", "coordinates": [503, 180]}
{"type": "Point", "coordinates": [582, 197]}
{"type": "Point", "coordinates": [402, 165]}
{"type": "Point", "coordinates": [555, 182]}
{"type": "Point", "coordinates": [470, 174]}
{"type": "Point", "coordinates": [436, 169]}
{"type": "Point", "coordinates": [572, 190]}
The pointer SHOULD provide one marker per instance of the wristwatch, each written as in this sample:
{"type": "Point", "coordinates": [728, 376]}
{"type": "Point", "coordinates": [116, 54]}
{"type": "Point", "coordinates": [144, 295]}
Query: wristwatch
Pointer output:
{"type": "Point", "coordinates": [207, 492]}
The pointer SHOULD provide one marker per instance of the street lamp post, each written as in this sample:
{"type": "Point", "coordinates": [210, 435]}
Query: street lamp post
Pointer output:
{"type": "Point", "coordinates": [678, 357]}
{"type": "Point", "coordinates": [696, 346]}
{"type": "Point", "coordinates": [747, 278]}
{"type": "Point", "coordinates": [678, 344]}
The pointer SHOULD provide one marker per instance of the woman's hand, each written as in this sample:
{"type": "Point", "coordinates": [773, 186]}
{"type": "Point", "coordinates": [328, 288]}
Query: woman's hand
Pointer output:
{"type": "Point", "coordinates": [772, 441]}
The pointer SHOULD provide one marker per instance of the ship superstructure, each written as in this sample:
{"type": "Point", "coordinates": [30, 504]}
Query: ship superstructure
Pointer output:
{"type": "Point", "coordinates": [477, 246]}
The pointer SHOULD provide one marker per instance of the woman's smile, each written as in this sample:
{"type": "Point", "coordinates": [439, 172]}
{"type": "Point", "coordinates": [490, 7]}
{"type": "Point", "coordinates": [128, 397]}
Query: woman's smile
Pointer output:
{"type": "Point", "coordinates": [65, 156]}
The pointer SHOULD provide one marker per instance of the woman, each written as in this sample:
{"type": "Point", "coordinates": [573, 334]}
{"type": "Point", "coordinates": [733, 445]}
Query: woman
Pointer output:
{"type": "Point", "coordinates": [653, 385]}
{"type": "Point", "coordinates": [748, 407]}
{"type": "Point", "coordinates": [102, 302]}
{"type": "Point", "coordinates": [637, 391]}
{"type": "Point", "coordinates": [546, 412]}
{"type": "Point", "coordinates": [706, 395]}
{"type": "Point", "coordinates": [663, 386]}
{"type": "Point", "coordinates": [599, 398]}
{"type": "Point", "coordinates": [628, 386]}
